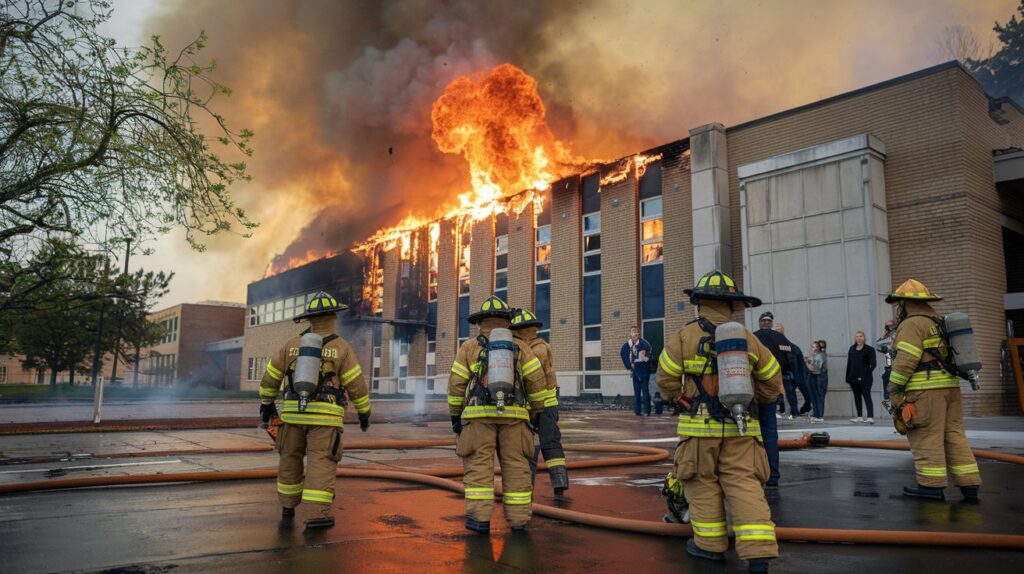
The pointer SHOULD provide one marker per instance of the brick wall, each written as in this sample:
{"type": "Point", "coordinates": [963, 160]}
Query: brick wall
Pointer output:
{"type": "Point", "coordinates": [566, 278]}
{"type": "Point", "coordinates": [264, 341]}
{"type": "Point", "coordinates": [447, 298]}
{"type": "Point", "coordinates": [520, 258]}
{"type": "Point", "coordinates": [934, 171]}
{"type": "Point", "coordinates": [675, 181]}
{"type": "Point", "coordinates": [481, 264]}
{"type": "Point", "coordinates": [620, 269]}
{"type": "Point", "coordinates": [389, 264]}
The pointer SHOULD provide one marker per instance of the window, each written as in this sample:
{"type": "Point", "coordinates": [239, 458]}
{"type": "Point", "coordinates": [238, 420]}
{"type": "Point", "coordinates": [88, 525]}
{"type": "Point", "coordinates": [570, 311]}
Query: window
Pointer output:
{"type": "Point", "coordinates": [3, 374]}
{"type": "Point", "coordinates": [435, 233]}
{"type": "Point", "coordinates": [463, 318]}
{"type": "Point", "coordinates": [592, 299]}
{"type": "Point", "coordinates": [283, 309]}
{"type": "Point", "coordinates": [652, 270]}
{"type": "Point", "coordinates": [652, 290]}
{"type": "Point", "coordinates": [542, 277]}
{"type": "Point", "coordinates": [170, 329]}
{"type": "Point", "coordinates": [257, 366]}
{"type": "Point", "coordinates": [464, 246]}
{"type": "Point", "coordinates": [651, 231]}
{"type": "Point", "coordinates": [543, 255]}
{"type": "Point", "coordinates": [501, 256]}
{"type": "Point", "coordinates": [542, 306]}
{"type": "Point", "coordinates": [377, 338]}
{"type": "Point", "coordinates": [591, 237]}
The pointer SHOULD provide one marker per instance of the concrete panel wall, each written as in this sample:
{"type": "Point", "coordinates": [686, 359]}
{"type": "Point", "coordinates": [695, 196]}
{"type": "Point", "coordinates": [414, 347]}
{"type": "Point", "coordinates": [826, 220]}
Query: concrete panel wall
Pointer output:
{"type": "Point", "coordinates": [821, 267]}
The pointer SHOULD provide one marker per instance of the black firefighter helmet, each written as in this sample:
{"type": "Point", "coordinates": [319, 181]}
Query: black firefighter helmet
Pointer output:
{"type": "Point", "coordinates": [522, 319]}
{"type": "Point", "coordinates": [719, 287]}
{"type": "Point", "coordinates": [492, 307]}
{"type": "Point", "coordinates": [321, 304]}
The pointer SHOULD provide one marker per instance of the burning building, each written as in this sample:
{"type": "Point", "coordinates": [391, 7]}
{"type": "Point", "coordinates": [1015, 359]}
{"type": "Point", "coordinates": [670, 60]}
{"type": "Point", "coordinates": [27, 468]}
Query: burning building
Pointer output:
{"type": "Point", "coordinates": [820, 211]}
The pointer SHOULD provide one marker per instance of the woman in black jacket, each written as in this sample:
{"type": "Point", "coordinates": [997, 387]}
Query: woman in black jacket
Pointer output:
{"type": "Point", "coordinates": [860, 373]}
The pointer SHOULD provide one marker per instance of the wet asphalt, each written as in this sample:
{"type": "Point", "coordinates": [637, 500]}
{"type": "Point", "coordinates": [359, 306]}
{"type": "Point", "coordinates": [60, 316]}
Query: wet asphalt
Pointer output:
{"type": "Point", "coordinates": [386, 526]}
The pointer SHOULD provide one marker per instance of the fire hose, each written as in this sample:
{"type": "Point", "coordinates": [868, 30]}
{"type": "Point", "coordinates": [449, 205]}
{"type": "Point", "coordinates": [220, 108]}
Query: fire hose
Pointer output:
{"type": "Point", "coordinates": [436, 478]}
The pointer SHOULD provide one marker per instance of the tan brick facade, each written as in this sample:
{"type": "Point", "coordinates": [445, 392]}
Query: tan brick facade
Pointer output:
{"type": "Point", "coordinates": [566, 278]}
{"type": "Point", "coordinates": [937, 174]}
{"type": "Point", "coordinates": [939, 183]}
{"type": "Point", "coordinates": [447, 298]}
{"type": "Point", "coordinates": [620, 269]}
{"type": "Point", "coordinates": [521, 258]}
{"type": "Point", "coordinates": [678, 240]}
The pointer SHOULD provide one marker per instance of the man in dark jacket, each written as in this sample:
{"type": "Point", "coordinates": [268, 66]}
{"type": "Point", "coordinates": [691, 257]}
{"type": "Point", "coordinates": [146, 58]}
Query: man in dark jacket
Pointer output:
{"type": "Point", "coordinates": [781, 349]}
{"type": "Point", "coordinates": [636, 357]}
{"type": "Point", "coordinates": [798, 369]}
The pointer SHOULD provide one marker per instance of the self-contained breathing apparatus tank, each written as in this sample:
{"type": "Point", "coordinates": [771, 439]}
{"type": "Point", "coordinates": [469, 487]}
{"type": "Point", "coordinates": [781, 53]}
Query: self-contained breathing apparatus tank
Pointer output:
{"type": "Point", "coordinates": [501, 368]}
{"type": "Point", "coordinates": [963, 351]}
{"type": "Point", "coordinates": [735, 388]}
{"type": "Point", "coordinates": [306, 374]}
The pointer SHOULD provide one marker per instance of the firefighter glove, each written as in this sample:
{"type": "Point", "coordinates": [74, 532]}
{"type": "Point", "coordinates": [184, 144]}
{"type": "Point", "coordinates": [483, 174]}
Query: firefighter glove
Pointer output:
{"type": "Point", "coordinates": [457, 425]}
{"type": "Point", "coordinates": [364, 421]}
{"type": "Point", "coordinates": [267, 412]}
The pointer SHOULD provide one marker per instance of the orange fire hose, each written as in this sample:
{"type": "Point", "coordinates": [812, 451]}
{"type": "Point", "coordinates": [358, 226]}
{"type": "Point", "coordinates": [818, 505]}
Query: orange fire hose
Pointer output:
{"type": "Point", "coordinates": [435, 478]}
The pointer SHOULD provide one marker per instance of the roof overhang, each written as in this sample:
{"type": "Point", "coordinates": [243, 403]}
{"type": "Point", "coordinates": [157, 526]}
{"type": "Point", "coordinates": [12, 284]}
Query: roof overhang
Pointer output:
{"type": "Point", "coordinates": [1009, 170]}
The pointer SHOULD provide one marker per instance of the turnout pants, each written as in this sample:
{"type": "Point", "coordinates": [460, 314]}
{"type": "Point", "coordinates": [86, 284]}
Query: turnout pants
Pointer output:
{"type": "Point", "coordinates": [550, 438]}
{"type": "Point", "coordinates": [938, 441]}
{"type": "Point", "coordinates": [321, 445]}
{"type": "Point", "coordinates": [715, 470]}
{"type": "Point", "coordinates": [512, 441]}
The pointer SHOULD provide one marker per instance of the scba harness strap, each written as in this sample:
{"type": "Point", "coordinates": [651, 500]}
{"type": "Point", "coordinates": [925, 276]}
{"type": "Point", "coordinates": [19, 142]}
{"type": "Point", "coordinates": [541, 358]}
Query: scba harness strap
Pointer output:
{"type": "Point", "coordinates": [323, 387]}
{"type": "Point", "coordinates": [477, 393]}
{"type": "Point", "coordinates": [706, 349]}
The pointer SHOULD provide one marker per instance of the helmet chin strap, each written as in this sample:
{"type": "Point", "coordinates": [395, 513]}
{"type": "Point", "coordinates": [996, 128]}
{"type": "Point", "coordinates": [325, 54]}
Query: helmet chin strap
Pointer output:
{"type": "Point", "coordinates": [901, 311]}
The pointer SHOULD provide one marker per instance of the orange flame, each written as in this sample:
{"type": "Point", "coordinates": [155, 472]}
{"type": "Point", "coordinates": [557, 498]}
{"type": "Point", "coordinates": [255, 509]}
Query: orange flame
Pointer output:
{"type": "Point", "coordinates": [297, 261]}
{"type": "Point", "coordinates": [497, 121]}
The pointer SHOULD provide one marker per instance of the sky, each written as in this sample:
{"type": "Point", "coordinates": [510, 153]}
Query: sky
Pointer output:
{"type": "Point", "coordinates": [339, 93]}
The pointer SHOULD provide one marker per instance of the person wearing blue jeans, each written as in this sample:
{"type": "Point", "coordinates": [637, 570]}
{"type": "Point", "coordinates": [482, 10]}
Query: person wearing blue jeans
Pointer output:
{"type": "Point", "coordinates": [818, 379]}
{"type": "Point", "coordinates": [770, 441]}
{"type": "Point", "coordinates": [636, 356]}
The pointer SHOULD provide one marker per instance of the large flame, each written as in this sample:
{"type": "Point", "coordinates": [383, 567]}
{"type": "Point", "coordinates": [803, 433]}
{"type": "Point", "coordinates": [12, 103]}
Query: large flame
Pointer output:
{"type": "Point", "coordinates": [310, 256]}
{"type": "Point", "coordinates": [497, 121]}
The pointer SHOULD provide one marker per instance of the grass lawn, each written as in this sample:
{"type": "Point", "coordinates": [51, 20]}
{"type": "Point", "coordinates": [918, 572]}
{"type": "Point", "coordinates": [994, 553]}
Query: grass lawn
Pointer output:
{"type": "Point", "coordinates": [61, 393]}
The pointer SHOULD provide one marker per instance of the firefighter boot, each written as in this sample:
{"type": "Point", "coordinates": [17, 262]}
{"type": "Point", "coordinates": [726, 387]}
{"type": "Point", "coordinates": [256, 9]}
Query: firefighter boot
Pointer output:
{"type": "Point", "coordinates": [926, 492]}
{"type": "Point", "coordinates": [970, 493]}
{"type": "Point", "coordinates": [693, 550]}
{"type": "Point", "coordinates": [478, 526]}
{"type": "Point", "coordinates": [320, 522]}
{"type": "Point", "coordinates": [757, 566]}
{"type": "Point", "coordinates": [559, 479]}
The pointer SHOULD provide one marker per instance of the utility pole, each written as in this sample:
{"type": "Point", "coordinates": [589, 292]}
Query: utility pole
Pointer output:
{"type": "Point", "coordinates": [117, 341]}
{"type": "Point", "coordinates": [96, 383]}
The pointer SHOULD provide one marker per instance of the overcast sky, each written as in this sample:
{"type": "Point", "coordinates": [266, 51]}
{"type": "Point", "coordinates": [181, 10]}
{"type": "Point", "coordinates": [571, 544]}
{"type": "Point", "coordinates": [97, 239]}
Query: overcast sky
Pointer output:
{"type": "Point", "coordinates": [616, 77]}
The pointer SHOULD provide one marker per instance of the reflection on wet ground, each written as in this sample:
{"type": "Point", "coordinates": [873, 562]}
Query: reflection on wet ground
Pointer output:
{"type": "Point", "coordinates": [386, 526]}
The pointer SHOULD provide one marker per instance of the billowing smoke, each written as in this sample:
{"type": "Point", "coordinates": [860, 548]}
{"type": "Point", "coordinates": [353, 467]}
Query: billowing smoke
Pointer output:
{"type": "Point", "coordinates": [340, 93]}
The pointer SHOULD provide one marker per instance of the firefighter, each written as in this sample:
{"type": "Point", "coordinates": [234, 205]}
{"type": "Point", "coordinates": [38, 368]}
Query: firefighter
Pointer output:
{"type": "Point", "coordinates": [314, 431]}
{"type": "Point", "coordinates": [713, 461]}
{"type": "Point", "coordinates": [926, 397]}
{"type": "Point", "coordinates": [491, 379]}
{"type": "Point", "coordinates": [525, 326]}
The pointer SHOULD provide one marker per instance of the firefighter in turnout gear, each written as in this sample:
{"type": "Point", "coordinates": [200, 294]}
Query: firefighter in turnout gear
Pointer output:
{"type": "Point", "coordinates": [317, 370]}
{"type": "Point", "coordinates": [495, 383]}
{"type": "Point", "coordinates": [524, 327]}
{"type": "Point", "coordinates": [714, 460]}
{"type": "Point", "coordinates": [925, 393]}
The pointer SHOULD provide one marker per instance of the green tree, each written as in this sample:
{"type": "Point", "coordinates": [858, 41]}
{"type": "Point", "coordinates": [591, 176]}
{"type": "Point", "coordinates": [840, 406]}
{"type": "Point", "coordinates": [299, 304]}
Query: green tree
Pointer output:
{"type": "Point", "coordinates": [130, 329]}
{"type": "Point", "coordinates": [1002, 73]}
{"type": "Point", "coordinates": [99, 137]}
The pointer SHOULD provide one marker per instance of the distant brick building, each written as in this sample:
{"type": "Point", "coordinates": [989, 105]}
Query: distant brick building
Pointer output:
{"type": "Point", "coordinates": [181, 356]}
{"type": "Point", "coordinates": [820, 211]}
